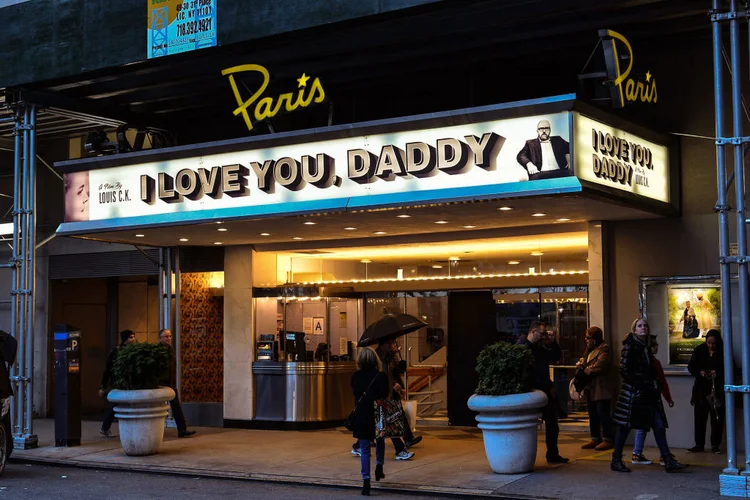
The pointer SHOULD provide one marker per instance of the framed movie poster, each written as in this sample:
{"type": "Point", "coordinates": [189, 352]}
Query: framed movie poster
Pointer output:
{"type": "Point", "coordinates": [680, 311]}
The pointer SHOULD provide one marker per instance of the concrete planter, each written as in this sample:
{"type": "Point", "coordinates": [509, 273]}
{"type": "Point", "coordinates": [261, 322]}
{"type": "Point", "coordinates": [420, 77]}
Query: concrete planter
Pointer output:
{"type": "Point", "coordinates": [509, 428]}
{"type": "Point", "coordinates": [141, 414]}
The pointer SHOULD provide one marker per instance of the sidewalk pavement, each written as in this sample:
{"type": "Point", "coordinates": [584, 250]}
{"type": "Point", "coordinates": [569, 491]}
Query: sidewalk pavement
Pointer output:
{"type": "Point", "coordinates": [449, 460]}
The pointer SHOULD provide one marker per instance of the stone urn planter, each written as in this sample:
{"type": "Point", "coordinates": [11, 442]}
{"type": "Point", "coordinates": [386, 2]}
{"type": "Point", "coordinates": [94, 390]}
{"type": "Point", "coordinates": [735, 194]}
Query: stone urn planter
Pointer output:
{"type": "Point", "coordinates": [141, 414]}
{"type": "Point", "coordinates": [509, 429]}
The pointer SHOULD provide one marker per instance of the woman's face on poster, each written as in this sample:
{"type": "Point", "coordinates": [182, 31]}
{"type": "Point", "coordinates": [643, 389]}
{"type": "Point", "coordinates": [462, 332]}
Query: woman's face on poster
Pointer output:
{"type": "Point", "coordinates": [77, 196]}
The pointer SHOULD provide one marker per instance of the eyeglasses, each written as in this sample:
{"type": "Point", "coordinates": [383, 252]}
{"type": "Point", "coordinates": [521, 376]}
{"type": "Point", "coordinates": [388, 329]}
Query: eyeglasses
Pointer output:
{"type": "Point", "coordinates": [544, 128]}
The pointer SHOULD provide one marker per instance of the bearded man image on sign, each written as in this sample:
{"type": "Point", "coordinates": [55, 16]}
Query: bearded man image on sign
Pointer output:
{"type": "Point", "coordinates": [547, 156]}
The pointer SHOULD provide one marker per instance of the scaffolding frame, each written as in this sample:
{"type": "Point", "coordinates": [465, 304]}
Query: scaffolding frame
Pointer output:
{"type": "Point", "coordinates": [733, 480]}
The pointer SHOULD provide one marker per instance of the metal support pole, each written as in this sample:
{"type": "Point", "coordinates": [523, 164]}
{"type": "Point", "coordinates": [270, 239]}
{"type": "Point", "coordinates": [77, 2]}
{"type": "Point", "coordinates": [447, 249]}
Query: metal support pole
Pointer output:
{"type": "Point", "coordinates": [20, 396]}
{"type": "Point", "coordinates": [16, 276]}
{"type": "Point", "coordinates": [161, 289]}
{"type": "Point", "coordinates": [30, 440]}
{"type": "Point", "coordinates": [722, 209]}
{"type": "Point", "coordinates": [739, 184]}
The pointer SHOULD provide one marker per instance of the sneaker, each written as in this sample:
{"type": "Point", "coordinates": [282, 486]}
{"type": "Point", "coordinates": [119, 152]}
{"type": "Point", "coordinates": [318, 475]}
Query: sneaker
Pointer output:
{"type": "Point", "coordinates": [106, 433]}
{"type": "Point", "coordinates": [413, 442]}
{"type": "Point", "coordinates": [716, 450]}
{"type": "Point", "coordinates": [640, 460]}
{"type": "Point", "coordinates": [404, 455]}
{"type": "Point", "coordinates": [661, 460]}
{"type": "Point", "coordinates": [695, 449]}
{"type": "Point", "coordinates": [356, 453]}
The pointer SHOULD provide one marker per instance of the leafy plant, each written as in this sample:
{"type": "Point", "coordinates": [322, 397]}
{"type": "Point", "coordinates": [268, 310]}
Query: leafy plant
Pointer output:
{"type": "Point", "coordinates": [505, 368]}
{"type": "Point", "coordinates": [141, 366]}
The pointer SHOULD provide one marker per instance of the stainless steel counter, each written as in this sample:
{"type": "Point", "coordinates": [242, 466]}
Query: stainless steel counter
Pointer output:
{"type": "Point", "coordinates": [303, 391]}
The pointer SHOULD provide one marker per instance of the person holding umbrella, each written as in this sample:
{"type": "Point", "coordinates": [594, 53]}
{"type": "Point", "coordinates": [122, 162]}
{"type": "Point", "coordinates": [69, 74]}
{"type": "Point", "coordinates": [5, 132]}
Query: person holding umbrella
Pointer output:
{"type": "Point", "coordinates": [384, 333]}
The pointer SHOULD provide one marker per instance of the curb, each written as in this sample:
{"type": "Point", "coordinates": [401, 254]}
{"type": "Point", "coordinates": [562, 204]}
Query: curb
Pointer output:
{"type": "Point", "coordinates": [273, 478]}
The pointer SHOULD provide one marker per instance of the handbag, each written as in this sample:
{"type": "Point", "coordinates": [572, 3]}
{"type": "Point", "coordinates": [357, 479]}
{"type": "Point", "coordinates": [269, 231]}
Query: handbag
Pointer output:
{"type": "Point", "coordinates": [581, 380]}
{"type": "Point", "coordinates": [389, 418]}
{"type": "Point", "coordinates": [349, 422]}
{"type": "Point", "coordinates": [572, 391]}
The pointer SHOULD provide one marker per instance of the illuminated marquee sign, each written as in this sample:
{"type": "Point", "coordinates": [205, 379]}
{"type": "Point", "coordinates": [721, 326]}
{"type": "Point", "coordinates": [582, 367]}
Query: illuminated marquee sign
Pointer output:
{"type": "Point", "coordinates": [614, 158]}
{"type": "Point", "coordinates": [370, 170]}
{"type": "Point", "coordinates": [255, 108]}
{"type": "Point", "coordinates": [623, 87]}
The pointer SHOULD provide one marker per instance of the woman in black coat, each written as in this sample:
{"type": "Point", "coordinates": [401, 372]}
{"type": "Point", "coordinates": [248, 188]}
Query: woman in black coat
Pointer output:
{"type": "Point", "coordinates": [369, 384]}
{"type": "Point", "coordinates": [639, 403]}
{"type": "Point", "coordinates": [707, 366]}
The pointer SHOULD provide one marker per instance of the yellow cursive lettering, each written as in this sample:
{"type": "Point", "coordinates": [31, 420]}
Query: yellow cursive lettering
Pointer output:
{"type": "Point", "coordinates": [268, 107]}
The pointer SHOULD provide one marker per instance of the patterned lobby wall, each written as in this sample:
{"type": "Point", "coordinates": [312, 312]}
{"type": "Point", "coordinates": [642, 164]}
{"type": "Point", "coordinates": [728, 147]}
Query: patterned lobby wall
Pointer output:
{"type": "Point", "coordinates": [201, 340]}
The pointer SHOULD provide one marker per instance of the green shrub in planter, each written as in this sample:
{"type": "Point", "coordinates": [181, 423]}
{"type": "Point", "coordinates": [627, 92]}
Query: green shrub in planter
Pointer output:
{"type": "Point", "coordinates": [505, 368]}
{"type": "Point", "coordinates": [140, 366]}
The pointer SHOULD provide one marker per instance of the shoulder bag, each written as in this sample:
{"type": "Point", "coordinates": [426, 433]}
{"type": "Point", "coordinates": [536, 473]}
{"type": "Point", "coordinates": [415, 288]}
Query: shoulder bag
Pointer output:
{"type": "Point", "coordinates": [349, 422]}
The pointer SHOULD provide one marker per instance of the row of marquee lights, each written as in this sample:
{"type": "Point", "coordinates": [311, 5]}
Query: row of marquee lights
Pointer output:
{"type": "Point", "coordinates": [377, 233]}
{"type": "Point", "coordinates": [436, 278]}
{"type": "Point", "coordinates": [499, 301]}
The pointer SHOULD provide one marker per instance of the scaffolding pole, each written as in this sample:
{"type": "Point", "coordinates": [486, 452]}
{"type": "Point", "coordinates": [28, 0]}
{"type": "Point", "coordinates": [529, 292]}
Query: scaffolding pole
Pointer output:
{"type": "Point", "coordinates": [733, 480]}
{"type": "Point", "coordinates": [23, 303]}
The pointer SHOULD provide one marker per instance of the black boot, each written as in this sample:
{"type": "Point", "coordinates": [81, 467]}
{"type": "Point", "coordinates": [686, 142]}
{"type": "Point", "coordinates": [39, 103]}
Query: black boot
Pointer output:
{"type": "Point", "coordinates": [366, 487]}
{"type": "Point", "coordinates": [672, 465]}
{"type": "Point", "coordinates": [617, 464]}
{"type": "Point", "coordinates": [379, 472]}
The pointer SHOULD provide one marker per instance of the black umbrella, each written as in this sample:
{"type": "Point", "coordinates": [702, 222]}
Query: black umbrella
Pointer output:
{"type": "Point", "coordinates": [389, 327]}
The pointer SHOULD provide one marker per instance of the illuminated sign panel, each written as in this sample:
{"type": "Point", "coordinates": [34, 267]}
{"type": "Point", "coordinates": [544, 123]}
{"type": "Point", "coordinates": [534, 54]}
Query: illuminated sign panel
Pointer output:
{"type": "Point", "coordinates": [617, 159]}
{"type": "Point", "coordinates": [412, 165]}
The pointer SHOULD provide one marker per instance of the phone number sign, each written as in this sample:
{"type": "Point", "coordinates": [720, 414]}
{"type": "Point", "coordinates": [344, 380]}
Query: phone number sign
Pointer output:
{"type": "Point", "coordinates": [176, 26]}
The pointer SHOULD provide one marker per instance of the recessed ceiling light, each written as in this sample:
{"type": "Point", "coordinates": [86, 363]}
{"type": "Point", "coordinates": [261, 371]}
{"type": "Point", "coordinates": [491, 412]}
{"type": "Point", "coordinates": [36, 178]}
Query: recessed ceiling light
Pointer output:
{"type": "Point", "coordinates": [539, 214]}
{"type": "Point", "coordinates": [441, 222]}
{"type": "Point", "coordinates": [437, 266]}
{"type": "Point", "coordinates": [297, 238]}
{"type": "Point", "coordinates": [219, 222]}
{"type": "Point", "coordinates": [403, 216]}
{"type": "Point", "coordinates": [513, 262]}
{"type": "Point", "coordinates": [309, 223]}
{"type": "Point", "coordinates": [379, 232]}
{"type": "Point", "coordinates": [469, 227]}
{"type": "Point", "coordinates": [365, 261]}
{"type": "Point", "coordinates": [562, 219]}
{"type": "Point", "coordinates": [218, 242]}
{"type": "Point", "coordinates": [223, 229]}
{"type": "Point", "coordinates": [140, 235]}
{"type": "Point", "coordinates": [537, 254]}
{"type": "Point", "coordinates": [505, 209]}
{"type": "Point", "coordinates": [350, 228]}
{"type": "Point", "coordinates": [183, 239]}
{"type": "Point", "coordinates": [265, 234]}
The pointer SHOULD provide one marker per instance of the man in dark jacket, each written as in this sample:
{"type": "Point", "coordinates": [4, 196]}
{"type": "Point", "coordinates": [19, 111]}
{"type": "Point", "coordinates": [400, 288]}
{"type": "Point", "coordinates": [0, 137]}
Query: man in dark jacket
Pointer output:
{"type": "Point", "coordinates": [126, 337]}
{"type": "Point", "coordinates": [545, 350]}
{"type": "Point", "coordinates": [165, 338]}
{"type": "Point", "coordinates": [546, 155]}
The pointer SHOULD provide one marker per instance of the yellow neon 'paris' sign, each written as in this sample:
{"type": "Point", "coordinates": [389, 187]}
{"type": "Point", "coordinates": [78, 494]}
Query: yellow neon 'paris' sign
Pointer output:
{"type": "Point", "coordinates": [268, 107]}
{"type": "Point", "coordinates": [634, 90]}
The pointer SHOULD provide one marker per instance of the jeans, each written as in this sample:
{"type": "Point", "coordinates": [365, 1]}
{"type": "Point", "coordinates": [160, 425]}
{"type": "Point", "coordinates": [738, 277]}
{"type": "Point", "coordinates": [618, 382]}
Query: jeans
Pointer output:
{"type": "Point", "coordinates": [551, 427]}
{"type": "Point", "coordinates": [364, 449]}
{"type": "Point", "coordinates": [600, 420]}
{"type": "Point", "coordinates": [702, 412]}
{"type": "Point", "coordinates": [660, 434]}
{"type": "Point", "coordinates": [640, 440]}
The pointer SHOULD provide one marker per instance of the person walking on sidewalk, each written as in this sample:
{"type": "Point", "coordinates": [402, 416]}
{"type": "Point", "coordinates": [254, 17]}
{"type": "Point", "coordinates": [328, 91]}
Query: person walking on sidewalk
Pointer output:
{"type": "Point", "coordinates": [165, 339]}
{"type": "Point", "coordinates": [596, 364]}
{"type": "Point", "coordinates": [707, 366]}
{"type": "Point", "coordinates": [640, 435]}
{"type": "Point", "coordinates": [369, 384]}
{"type": "Point", "coordinates": [387, 352]}
{"type": "Point", "coordinates": [545, 350]}
{"type": "Point", "coordinates": [126, 337]}
{"type": "Point", "coordinates": [639, 402]}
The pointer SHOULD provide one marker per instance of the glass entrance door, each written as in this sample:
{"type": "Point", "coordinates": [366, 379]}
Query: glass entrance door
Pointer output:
{"type": "Point", "coordinates": [423, 351]}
